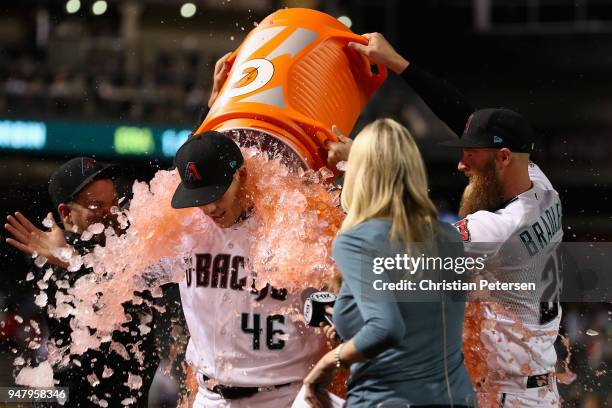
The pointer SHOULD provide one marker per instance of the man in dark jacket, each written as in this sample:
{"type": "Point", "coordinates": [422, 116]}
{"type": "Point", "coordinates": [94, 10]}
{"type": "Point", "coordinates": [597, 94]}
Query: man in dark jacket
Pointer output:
{"type": "Point", "coordinates": [121, 371]}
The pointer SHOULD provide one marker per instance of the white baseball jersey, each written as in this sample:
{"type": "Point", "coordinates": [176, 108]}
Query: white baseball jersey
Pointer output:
{"type": "Point", "coordinates": [241, 336]}
{"type": "Point", "coordinates": [521, 241]}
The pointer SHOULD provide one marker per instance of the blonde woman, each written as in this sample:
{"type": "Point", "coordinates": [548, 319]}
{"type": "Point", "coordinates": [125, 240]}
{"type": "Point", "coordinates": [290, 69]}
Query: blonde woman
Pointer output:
{"type": "Point", "coordinates": [399, 353]}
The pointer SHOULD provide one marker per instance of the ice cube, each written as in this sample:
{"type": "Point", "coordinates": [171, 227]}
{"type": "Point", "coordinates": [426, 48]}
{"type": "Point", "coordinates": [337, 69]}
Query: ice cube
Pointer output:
{"type": "Point", "coordinates": [76, 262]}
{"type": "Point", "coordinates": [341, 166]}
{"type": "Point", "coordinates": [325, 173]}
{"type": "Point", "coordinates": [128, 401]}
{"type": "Point", "coordinates": [591, 332]}
{"type": "Point", "coordinates": [29, 276]}
{"type": "Point", "coordinates": [35, 325]}
{"type": "Point", "coordinates": [107, 372]}
{"type": "Point", "coordinates": [62, 284]}
{"type": "Point", "coordinates": [93, 380]}
{"type": "Point", "coordinates": [41, 299]}
{"type": "Point", "coordinates": [40, 261]}
{"type": "Point", "coordinates": [96, 228]}
{"type": "Point", "coordinates": [134, 381]}
{"type": "Point", "coordinates": [120, 349]}
{"type": "Point", "coordinates": [123, 221]}
{"type": "Point", "coordinates": [63, 253]}
{"type": "Point", "coordinates": [48, 221]}
{"type": "Point", "coordinates": [86, 235]}
{"type": "Point", "coordinates": [37, 377]}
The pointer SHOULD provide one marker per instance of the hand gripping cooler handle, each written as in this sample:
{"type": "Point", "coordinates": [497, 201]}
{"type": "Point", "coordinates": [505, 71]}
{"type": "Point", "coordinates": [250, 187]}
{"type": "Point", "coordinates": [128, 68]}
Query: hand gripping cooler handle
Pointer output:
{"type": "Point", "coordinates": [372, 84]}
{"type": "Point", "coordinates": [375, 80]}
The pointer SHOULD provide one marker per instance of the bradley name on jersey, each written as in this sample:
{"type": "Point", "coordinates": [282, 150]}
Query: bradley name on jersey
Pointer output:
{"type": "Point", "coordinates": [551, 220]}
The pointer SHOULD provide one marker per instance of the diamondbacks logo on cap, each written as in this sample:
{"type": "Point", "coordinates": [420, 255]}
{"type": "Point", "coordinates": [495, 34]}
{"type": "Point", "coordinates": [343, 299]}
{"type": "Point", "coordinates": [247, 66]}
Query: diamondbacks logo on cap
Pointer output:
{"type": "Point", "coordinates": [497, 139]}
{"type": "Point", "coordinates": [87, 164]}
{"type": "Point", "coordinates": [192, 173]}
{"type": "Point", "coordinates": [467, 125]}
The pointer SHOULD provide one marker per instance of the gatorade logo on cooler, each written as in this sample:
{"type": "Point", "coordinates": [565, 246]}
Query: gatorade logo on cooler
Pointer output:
{"type": "Point", "coordinates": [250, 74]}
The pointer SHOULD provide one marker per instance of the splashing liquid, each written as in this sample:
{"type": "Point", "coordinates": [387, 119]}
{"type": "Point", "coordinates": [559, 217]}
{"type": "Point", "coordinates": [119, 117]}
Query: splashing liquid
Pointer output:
{"type": "Point", "coordinates": [296, 220]}
{"type": "Point", "coordinates": [478, 356]}
{"type": "Point", "coordinates": [566, 376]}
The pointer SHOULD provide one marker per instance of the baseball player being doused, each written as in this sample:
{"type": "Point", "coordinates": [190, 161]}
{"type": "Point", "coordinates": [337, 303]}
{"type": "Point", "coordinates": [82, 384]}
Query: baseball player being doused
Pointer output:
{"type": "Point", "coordinates": [247, 351]}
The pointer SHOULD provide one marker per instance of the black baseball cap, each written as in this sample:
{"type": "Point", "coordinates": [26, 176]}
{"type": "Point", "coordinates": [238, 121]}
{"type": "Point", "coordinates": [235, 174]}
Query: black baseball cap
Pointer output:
{"type": "Point", "coordinates": [206, 163]}
{"type": "Point", "coordinates": [74, 175]}
{"type": "Point", "coordinates": [496, 128]}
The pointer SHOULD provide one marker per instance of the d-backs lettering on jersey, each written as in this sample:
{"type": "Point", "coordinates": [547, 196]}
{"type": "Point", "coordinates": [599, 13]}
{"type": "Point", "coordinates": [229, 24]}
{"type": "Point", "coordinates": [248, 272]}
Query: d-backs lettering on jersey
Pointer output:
{"type": "Point", "coordinates": [214, 271]}
{"type": "Point", "coordinates": [521, 242]}
{"type": "Point", "coordinates": [242, 335]}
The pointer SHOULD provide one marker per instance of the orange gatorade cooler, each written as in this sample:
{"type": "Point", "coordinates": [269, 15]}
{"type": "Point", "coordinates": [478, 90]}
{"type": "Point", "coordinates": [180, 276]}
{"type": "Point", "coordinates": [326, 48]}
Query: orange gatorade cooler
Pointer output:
{"type": "Point", "coordinates": [292, 79]}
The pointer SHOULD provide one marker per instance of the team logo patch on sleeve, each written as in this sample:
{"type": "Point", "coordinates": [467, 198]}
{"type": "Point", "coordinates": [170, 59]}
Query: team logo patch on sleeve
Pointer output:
{"type": "Point", "coordinates": [462, 227]}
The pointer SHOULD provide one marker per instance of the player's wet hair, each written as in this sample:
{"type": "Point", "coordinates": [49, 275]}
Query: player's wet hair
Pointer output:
{"type": "Point", "coordinates": [386, 178]}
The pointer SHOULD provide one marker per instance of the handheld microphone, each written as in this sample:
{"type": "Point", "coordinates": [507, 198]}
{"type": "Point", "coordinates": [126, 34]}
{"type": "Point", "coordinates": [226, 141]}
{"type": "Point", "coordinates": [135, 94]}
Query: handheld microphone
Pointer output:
{"type": "Point", "coordinates": [314, 307]}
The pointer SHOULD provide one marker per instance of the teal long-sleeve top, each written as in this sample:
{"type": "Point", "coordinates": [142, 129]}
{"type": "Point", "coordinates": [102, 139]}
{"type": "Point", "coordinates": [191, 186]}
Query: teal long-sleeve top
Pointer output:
{"type": "Point", "coordinates": [404, 340]}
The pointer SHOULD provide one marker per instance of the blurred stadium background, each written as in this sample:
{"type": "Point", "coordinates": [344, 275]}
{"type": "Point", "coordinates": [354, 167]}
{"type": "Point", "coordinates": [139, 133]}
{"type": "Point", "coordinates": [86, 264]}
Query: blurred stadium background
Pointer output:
{"type": "Point", "coordinates": [126, 81]}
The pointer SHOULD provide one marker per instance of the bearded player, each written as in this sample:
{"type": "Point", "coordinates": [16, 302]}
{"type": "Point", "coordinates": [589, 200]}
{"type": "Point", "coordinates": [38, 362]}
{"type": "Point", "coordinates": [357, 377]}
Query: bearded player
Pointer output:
{"type": "Point", "coordinates": [509, 208]}
{"type": "Point", "coordinates": [246, 350]}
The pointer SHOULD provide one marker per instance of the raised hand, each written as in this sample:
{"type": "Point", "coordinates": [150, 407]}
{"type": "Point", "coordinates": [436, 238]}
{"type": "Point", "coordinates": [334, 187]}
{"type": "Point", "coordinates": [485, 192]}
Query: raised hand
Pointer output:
{"type": "Point", "coordinates": [338, 151]}
{"type": "Point", "coordinates": [222, 68]}
{"type": "Point", "coordinates": [33, 241]}
{"type": "Point", "coordinates": [379, 51]}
